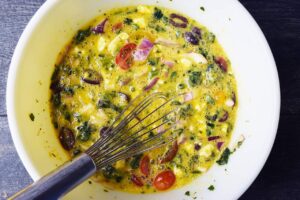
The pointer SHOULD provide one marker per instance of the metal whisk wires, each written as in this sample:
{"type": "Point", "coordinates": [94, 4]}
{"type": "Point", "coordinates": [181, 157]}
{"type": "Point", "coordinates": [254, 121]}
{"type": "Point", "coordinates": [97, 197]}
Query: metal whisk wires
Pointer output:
{"type": "Point", "coordinates": [143, 125]}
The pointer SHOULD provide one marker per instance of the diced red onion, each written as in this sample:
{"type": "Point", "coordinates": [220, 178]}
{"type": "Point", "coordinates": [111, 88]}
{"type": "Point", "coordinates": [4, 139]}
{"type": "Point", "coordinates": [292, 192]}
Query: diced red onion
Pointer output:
{"type": "Point", "coordinates": [125, 81]}
{"type": "Point", "coordinates": [143, 50]}
{"type": "Point", "coordinates": [166, 42]}
{"type": "Point", "coordinates": [160, 129]}
{"type": "Point", "coordinates": [224, 117]}
{"type": "Point", "coordinates": [219, 145]}
{"type": "Point", "coordinates": [93, 77]}
{"type": "Point", "coordinates": [182, 24]}
{"type": "Point", "coordinates": [100, 27]}
{"type": "Point", "coordinates": [188, 96]}
{"type": "Point", "coordinates": [168, 63]}
{"type": "Point", "coordinates": [151, 84]}
{"type": "Point", "coordinates": [211, 138]}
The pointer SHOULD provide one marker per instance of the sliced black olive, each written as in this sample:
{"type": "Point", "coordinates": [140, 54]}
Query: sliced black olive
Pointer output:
{"type": "Point", "coordinates": [182, 24]}
{"type": "Point", "coordinates": [91, 77]}
{"type": "Point", "coordinates": [66, 138]}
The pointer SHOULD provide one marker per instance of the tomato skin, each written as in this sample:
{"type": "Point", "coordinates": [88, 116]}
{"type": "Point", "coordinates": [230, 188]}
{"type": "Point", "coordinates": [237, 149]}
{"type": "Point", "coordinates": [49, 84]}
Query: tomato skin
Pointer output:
{"type": "Point", "coordinates": [124, 58]}
{"type": "Point", "coordinates": [136, 180]}
{"type": "Point", "coordinates": [164, 180]}
{"type": "Point", "coordinates": [117, 27]}
{"type": "Point", "coordinates": [171, 153]}
{"type": "Point", "coordinates": [145, 165]}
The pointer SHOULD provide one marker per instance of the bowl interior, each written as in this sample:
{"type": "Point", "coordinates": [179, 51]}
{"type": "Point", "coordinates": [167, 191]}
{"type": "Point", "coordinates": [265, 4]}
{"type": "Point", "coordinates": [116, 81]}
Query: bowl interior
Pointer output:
{"type": "Point", "coordinates": [252, 61]}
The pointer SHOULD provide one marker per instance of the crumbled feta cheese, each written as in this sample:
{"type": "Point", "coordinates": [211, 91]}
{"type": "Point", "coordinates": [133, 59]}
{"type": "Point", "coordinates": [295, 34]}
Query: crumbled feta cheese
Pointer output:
{"type": "Point", "coordinates": [185, 62]}
{"type": "Point", "coordinates": [116, 42]}
{"type": "Point", "coordinates": [229, 103]}
{"type": "Point", "coordinates": [140, 22]}
{"type": "Point", "coordinates": [207, 150]}
{"type": "Point", "coordinates": [143, 9]}
{"type": "Point", "coordinates": [101, 44]}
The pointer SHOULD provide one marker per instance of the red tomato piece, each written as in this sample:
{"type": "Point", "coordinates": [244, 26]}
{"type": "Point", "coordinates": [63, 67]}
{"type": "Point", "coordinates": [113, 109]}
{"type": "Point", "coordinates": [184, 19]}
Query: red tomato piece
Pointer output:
{"type": "Point", "coordinates": [136, 180]}
{"type": "Point", "coordinates": [116, 27]}
{"type": "Point", "coordinates": [171, 153]}
{"type": "Point", "coordinates": [145, 165]}
{"type": "Point", "coordinates": [164, 180]}
{"type": "Point", "coordinates": [124, 57]}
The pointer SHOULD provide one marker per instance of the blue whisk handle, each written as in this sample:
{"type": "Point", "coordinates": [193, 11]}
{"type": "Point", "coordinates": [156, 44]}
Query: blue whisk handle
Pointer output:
{"type": "Point", "coordinates": [59, 182]}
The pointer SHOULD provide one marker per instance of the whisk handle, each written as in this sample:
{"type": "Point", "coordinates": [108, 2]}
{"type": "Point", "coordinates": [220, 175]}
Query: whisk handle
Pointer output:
{"type": "Point", "coordinates": [59, 182]}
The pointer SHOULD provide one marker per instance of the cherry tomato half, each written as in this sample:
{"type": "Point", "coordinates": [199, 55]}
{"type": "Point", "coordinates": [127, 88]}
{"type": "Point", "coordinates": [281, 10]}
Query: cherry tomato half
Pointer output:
{"type": "Point", "coordinates": [164, 180]}
{"type": "Point", "coordinates": [124, 57]}
{"type": "Point", "coordinates": [145, 165]}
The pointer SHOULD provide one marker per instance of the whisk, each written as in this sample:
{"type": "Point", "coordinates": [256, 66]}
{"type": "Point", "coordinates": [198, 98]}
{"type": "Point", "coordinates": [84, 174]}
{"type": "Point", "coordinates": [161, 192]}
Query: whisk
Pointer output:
{"type": "Point", "coordinates": [141, 126]}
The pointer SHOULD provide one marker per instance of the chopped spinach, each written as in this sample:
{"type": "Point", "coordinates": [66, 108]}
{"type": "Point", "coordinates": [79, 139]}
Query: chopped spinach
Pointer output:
{"type": "Point", "coordinates": [56, 99]}
{"type": "Point", "coordinates": [194, 78]}
{"type": "Point", "coordinates": [85, 131]}
{"type": "Point", "coordinates": [135, 162]}
{"type": "Point", "coordinates": [185, 111]}
{"type": "Point", "coordinates": [128, 21]}
{"type": "Point", "coordinates": [81, 35]}
{"type": "Point", "coordinates": [224, 157]}
{"type": "Point", "coordinates": [211, 37]}
{"type": "Point", "coordinates": [209, 100]}
{"type": "Point", "coordinates": [152, 61]}
{"type": "Point", "coordinates": [110, 172]}
{"type": "Point", "coordinates": [173, 75]}
{"type": "Point", "coordinates": [69, 91]}
{"type": "Point", "coordinates": [157, 13]}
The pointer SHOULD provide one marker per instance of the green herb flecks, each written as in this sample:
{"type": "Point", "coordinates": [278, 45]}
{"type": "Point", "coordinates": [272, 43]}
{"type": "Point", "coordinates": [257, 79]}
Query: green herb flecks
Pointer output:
{"type": "Point", "coordinates": [224, 157]}
{"type": "Point", "coordinates": [81, 35]}
{"type": "Point", "coordinates": [211, 188]}
{"type": "Point", "coordinates": [31, 116]}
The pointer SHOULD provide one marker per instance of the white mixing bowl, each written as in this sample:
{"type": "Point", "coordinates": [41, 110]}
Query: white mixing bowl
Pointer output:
{"type": "Point", "coordinates": [258, 92]}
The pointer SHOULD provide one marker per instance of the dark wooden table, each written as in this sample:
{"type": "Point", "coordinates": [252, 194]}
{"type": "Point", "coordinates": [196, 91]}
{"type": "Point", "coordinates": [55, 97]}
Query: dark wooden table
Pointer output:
{"type": "Point", "coordinates": [279, 20]}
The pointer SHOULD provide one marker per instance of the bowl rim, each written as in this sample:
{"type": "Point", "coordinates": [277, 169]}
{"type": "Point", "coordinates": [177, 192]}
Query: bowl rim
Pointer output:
{"type": "Point", "coordinates": [17, 55]}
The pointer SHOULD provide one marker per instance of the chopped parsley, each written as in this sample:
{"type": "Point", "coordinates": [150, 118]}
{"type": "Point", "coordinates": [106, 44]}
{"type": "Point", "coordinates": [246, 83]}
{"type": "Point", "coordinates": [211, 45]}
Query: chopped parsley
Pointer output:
{"type": "Point", "coordinates": [211, 188]}
{"type": "Point", "coordinates": [127, 21]}
{"type": "Point", "coordinates": [81, 35]}
{"type": "Point", "coordinates": [202, 8]}
{"type": "Point", "coordinates": [224, 157]}
{"type": "Point", "coordinates": [157, 13]}
{"type": "Point", "coordinates": [187, 193]}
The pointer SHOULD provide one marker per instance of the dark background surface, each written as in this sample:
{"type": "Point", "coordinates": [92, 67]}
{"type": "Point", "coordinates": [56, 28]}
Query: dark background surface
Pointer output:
{"type": "Point", "coordinates": [279, 20]}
